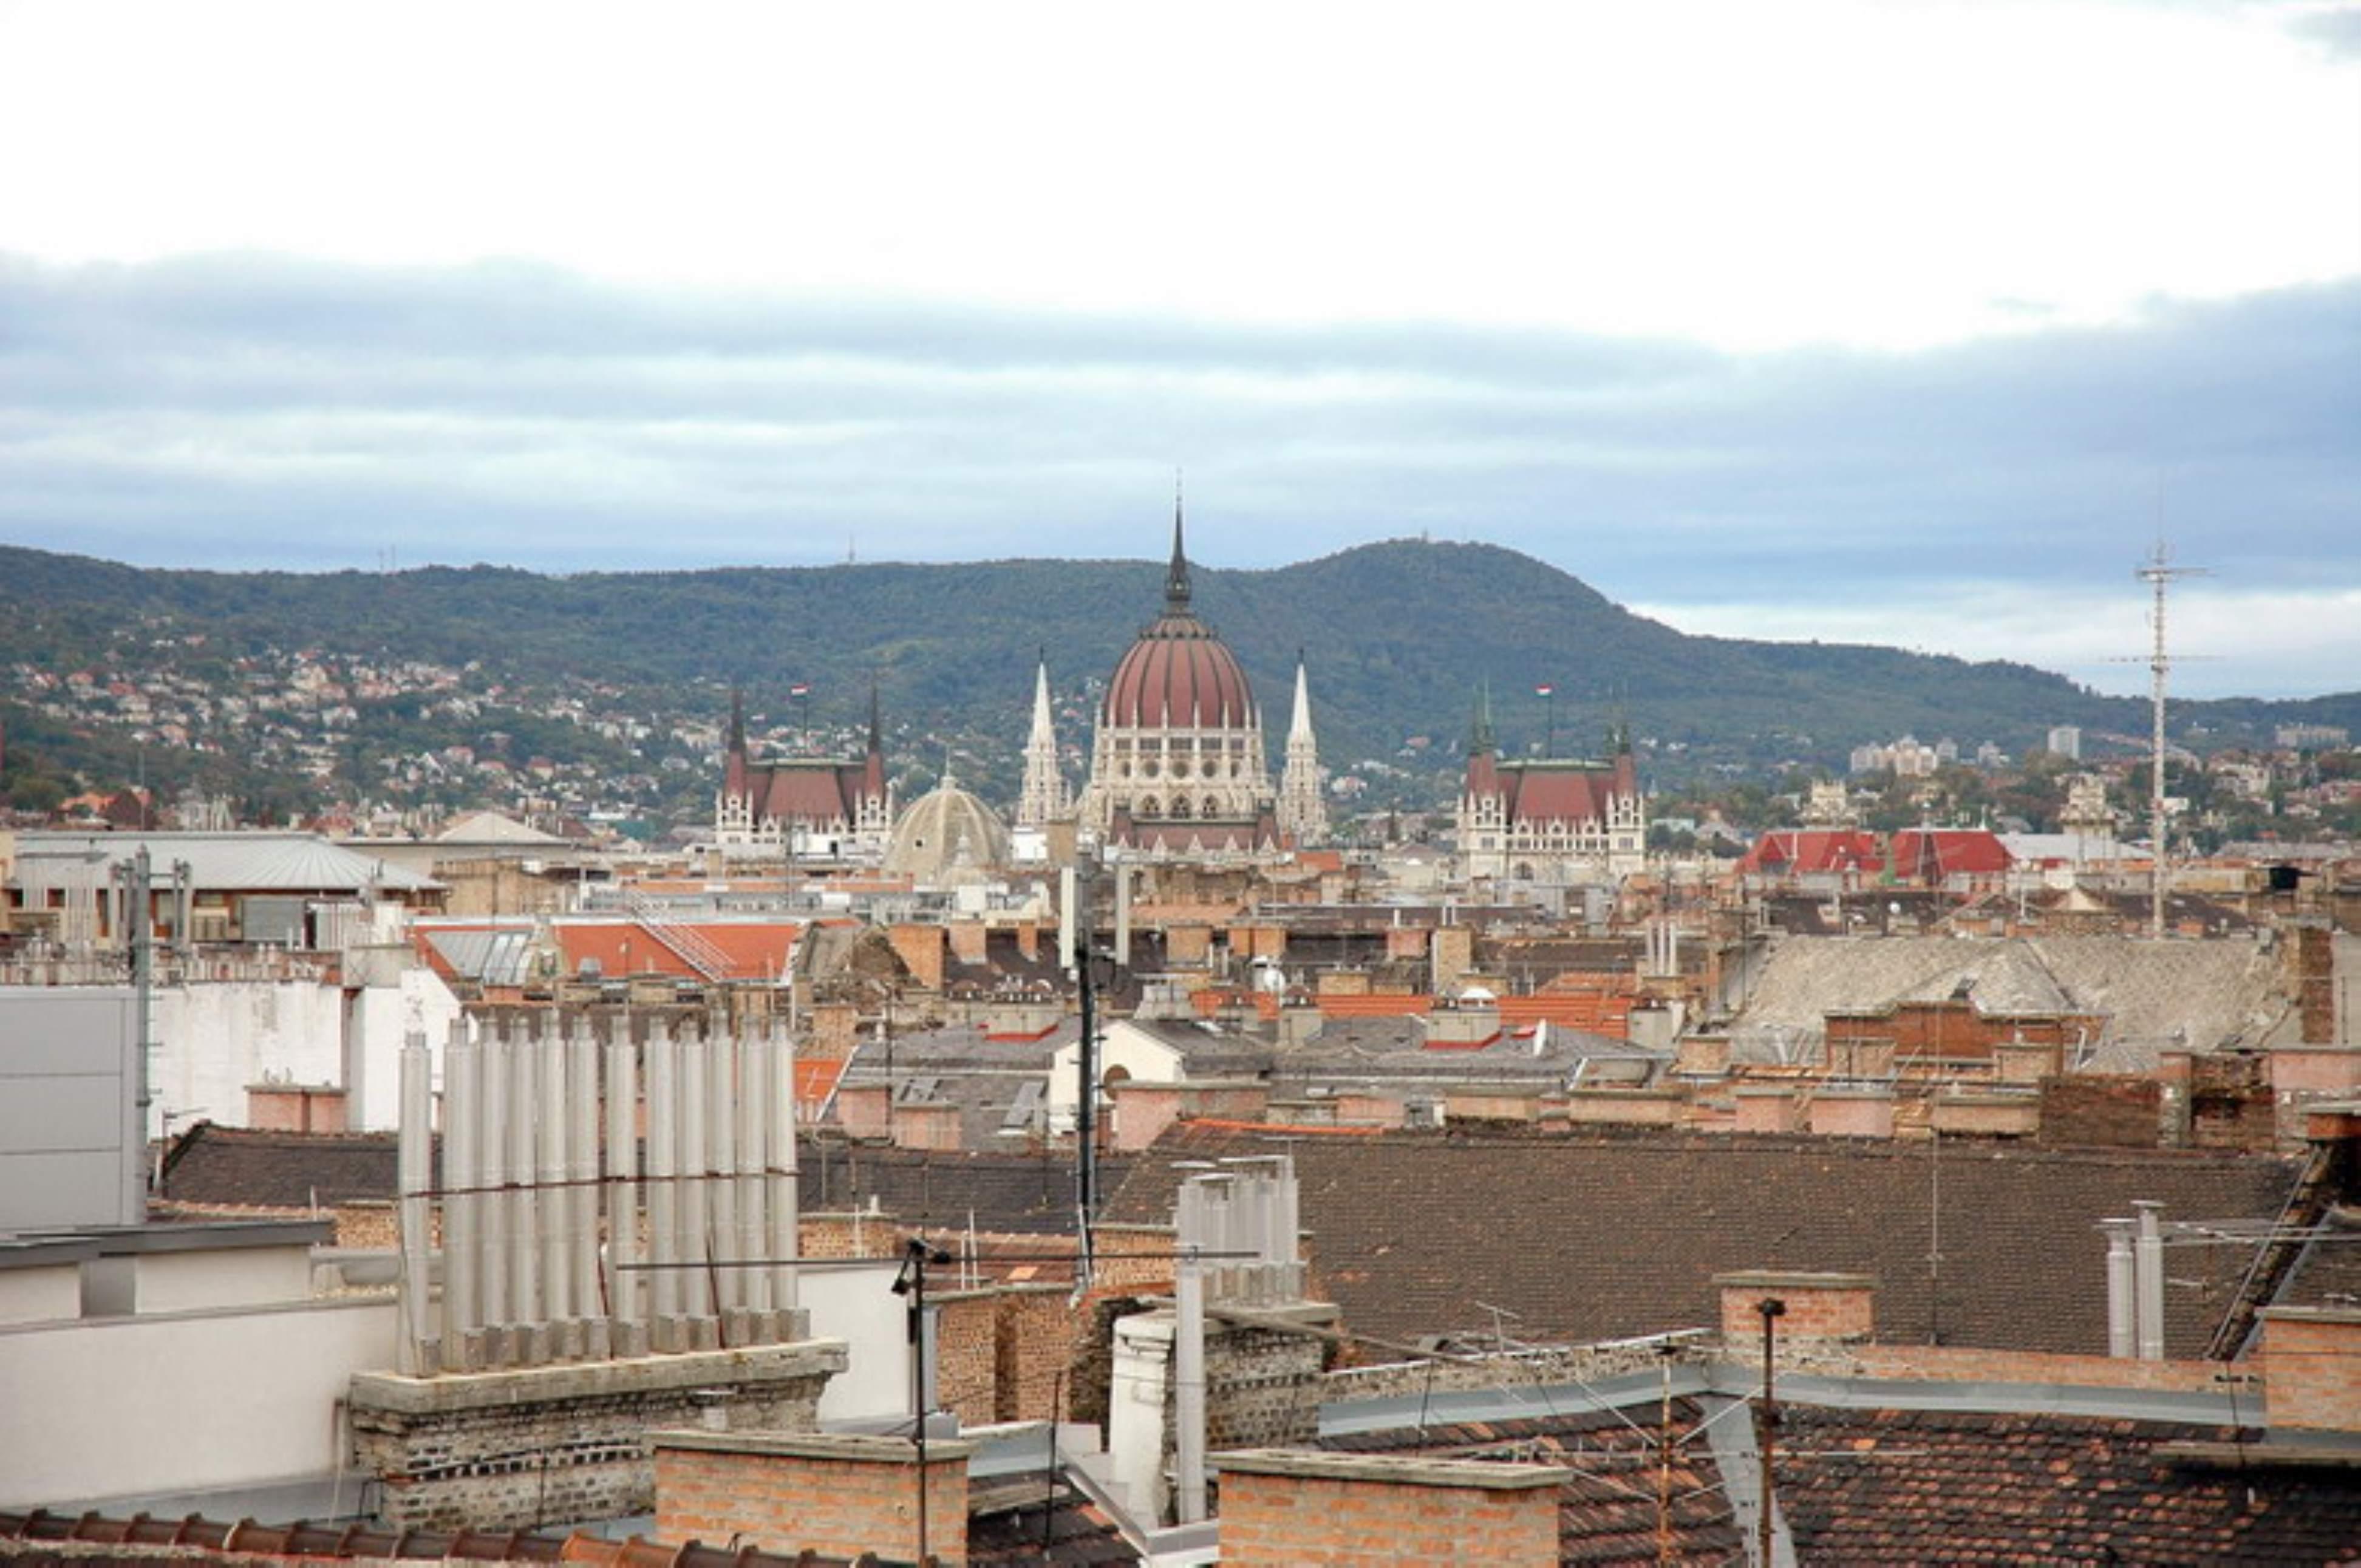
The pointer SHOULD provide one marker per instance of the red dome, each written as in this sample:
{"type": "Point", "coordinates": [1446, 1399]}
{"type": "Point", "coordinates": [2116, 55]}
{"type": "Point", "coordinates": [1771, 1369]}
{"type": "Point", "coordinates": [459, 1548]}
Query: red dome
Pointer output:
{"type": "Point", "coordinates": [1178, 675]}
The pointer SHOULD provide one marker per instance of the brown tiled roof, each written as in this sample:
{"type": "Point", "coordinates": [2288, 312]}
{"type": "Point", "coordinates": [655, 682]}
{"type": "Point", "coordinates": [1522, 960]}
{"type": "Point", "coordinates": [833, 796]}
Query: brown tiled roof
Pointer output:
{"type": "Point", "coordinates": [941, 1189]}
{"type": "Point", "coordinates": [243, 1168]}
{"type": "Point", "coordinates": [1608, 1513]}
{"type": "Point", "coordinates": [1004, 1532]}
{"type": "Point", "coordinates": [1594, 1236]}
{"type": "Point", "coordinates": [1890, 1488]}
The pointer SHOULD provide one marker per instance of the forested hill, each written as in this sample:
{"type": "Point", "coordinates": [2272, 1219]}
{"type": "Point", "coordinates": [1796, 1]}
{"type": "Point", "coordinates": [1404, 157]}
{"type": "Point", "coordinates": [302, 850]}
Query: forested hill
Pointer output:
{"type": "Point", "coordinates": [1399, 638]}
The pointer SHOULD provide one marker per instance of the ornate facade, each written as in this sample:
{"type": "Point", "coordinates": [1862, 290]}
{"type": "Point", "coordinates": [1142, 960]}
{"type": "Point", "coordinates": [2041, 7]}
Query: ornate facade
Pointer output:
{"type": "Point", "coordinates": [1178, 765]}
{"type": "Point", "coordinates": [1549, 820]}
{"type": "Point", "coordinates": [823, 808]}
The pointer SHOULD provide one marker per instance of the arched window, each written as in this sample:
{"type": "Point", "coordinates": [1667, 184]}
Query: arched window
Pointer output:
{"type": "Point", "coordinates": [1212, 808]}
{"type": "Point", "coordinates": [1180, 808]}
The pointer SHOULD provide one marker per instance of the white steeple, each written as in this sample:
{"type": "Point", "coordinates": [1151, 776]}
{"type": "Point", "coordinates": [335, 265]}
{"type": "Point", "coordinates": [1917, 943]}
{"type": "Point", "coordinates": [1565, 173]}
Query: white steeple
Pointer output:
{"type": "Point", "coordinates": [1046, 797]}
{"type": "Point", "coordinates": [1302, 808]}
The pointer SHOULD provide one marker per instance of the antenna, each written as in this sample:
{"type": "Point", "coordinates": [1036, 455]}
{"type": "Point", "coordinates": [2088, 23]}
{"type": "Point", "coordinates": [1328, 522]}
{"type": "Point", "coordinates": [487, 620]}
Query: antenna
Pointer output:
{"type": "Point", "coordinates": [2158, 573]}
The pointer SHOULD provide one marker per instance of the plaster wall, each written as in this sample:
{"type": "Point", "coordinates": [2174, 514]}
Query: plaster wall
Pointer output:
{"type": "Point", "coordinates": [47, 1294]}
{"type": "Point", "coordinates": [859, 1307]}
{"type": "Point", "coordinates": [226, 1279]}
{"type": "Point", "coordinates": [130, 1407]}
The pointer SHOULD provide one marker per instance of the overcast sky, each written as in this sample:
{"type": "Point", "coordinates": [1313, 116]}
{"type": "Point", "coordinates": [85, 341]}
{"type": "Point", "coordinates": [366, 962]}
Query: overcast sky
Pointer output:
{"type": "Point", "coordinates": [1902, 323]}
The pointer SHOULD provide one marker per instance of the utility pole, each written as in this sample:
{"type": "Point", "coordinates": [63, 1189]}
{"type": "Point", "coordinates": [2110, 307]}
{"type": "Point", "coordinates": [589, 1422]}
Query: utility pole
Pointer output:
{"type": "Point", "coordinates": [1773, 1309]}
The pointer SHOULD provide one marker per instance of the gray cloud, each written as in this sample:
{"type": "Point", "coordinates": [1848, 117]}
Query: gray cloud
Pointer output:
{"type": "Point", "coordinates": [250, 411]}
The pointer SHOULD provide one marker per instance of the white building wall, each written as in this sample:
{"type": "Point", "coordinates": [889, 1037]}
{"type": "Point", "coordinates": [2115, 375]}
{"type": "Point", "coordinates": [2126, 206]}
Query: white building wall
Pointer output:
{"type": "Point", "coordinates": [215, 1039]}
{"type": "Point", "coordinates": [41, 1295]}
{"type": "Point", "coordinates": [859, 1307]}
{"type": "Point", "coordinates": [135, 1406]}
{"type": "Point", "coordinates": [222, 1279]}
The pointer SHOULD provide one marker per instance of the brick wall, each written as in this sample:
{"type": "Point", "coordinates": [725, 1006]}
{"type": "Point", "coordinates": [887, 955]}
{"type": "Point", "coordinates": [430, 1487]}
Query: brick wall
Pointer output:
{"type": "Point", "coordinates": [1186, 942]}
{"type": "Point", "coordinates": [1308, 1510]}
{"type": "Point", "coordinates": [1454, 955]}
{"type": "Point", "coordinates": [834, 1027]}
{"type": "Point", "coordinates": [920, 948]}
{"type": "Point", "coordinates": [2231, 1105]}
{"type": "Point", "coordinates": [926, 1125]}
{"type": "Point", "coordinates": [1820, 1307]}
{"type": "Point", "coordinates": [2311, 1368]}
{"type": "Point", "coordinates": [1954, 1031]}
{"type": "Point", "coordinates": [2316, 970]}
{"type": "Point", "coordinates": [840, 1495]}
{"type": "Point", "coordinates": [1142, 1111]}
{"type": "Point", "coordinates": [861, 1109]}
{"type": "Point", "coordinates": [513, 1449]}
{"type": "Point", "coordinates": [2102, 1110]}
{"type": "Point", "coordinates": [295, 1108]}
{"type": "Point", "coordinates": [849, 1235]}
{"type": "Point", "coordinates": [967, 1327]}
{"type": "Point", "coordinates": [1987, 1115]}
{"type": "Point", "coordinates": [1630, 1107]}
{"type": "Point", "coordinates": [1852, 1113]}
{"type": "Point", "coordinates": [1768, 1110]}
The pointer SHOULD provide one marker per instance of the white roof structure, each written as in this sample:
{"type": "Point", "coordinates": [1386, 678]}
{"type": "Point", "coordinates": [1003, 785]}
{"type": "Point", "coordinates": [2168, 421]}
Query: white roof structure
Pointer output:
{"type": "Point", "coordinates": [491, 827]}
{"type": "Point", "coordinates": [218, 862]}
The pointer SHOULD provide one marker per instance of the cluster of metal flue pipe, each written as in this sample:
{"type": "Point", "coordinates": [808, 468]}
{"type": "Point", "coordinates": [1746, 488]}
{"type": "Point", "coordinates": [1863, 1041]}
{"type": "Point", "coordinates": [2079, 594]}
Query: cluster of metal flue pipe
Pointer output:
{"type": "Point", "coordinates": [1242, 1217]}
{"type": "Point", "coordinates": [559, 1240]}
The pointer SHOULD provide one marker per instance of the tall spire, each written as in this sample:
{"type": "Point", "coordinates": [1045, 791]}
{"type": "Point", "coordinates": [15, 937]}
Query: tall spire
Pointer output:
{"type": "Point", "coordinates": [737, 720]}
{"type": "Point", "coordinates": [1044, 797]}
{"type": "Point", "coordinates": [1176, 577]}
{"type": "Point", "coordinates": [1302, 805]}
{"type": "Point", "coordinates": [876, 731]}
{"type": "Point", "coordinates": [1480, 735]}
{"type": "Point", "coordinates": [1299, 728]}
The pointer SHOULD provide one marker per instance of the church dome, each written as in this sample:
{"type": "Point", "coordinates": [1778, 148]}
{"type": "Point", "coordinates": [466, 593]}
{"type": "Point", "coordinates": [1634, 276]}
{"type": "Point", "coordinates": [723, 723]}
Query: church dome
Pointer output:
{"type": "Point", "coordinates": [946, 836]}
{"type": "Point", "coordinates": [1178, 675]}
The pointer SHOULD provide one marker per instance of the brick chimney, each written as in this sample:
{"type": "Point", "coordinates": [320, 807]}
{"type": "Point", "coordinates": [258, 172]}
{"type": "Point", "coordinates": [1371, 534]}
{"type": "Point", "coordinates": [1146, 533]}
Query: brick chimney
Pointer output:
{"type": "Point", "coordinates": [835, 1494]}
{"type": "Point", "coordinates": [2311, 1368]}
{"type": "Point", "coordinates": [1297, 1508]}
{"type": "Point", "coordinates": [1821, 1308]}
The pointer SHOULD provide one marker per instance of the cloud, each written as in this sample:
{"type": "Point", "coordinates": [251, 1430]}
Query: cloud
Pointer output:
{"type": "Point", "coordinates": [254, 410]}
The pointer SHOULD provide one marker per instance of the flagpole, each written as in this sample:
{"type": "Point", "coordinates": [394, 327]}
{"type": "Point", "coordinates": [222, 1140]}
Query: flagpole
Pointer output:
{"type": "Point", "coordinates": [1548, 690]}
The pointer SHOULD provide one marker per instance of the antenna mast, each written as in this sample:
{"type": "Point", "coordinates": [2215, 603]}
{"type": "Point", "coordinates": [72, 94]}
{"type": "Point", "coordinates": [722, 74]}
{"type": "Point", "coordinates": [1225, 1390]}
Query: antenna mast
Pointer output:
{"type": "Point", "coordinates": [2157, 573]}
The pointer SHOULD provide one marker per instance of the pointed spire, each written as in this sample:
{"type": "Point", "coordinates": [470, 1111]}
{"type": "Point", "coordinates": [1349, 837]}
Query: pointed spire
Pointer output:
{"type": "Point", "coordinates": [1299, 728]}
{"type": "Point", "coordinates": [1041, 718]}
{"type": "Point", "coordinates": [1176, 577]}
{"type": "Point", "coordinates": [736, 719]}
{"type": "Point", "coordinates": [1480, 735]}
{"type": "Point", "coordinates": [876, 731]}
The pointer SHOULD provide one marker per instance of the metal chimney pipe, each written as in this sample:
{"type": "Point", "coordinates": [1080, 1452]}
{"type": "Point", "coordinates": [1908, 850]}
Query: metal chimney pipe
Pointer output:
{"type": "Point", "coordinates": [582, 1171]}
{"type": "Point", "coordinates": [664, 1169]}
{"type": "Point", "coordinates": [553, 1201]}
{"type": "Point", "coordinates": [779, 1108]}
{"type": "Point", "coordinates": [1189, 1391]}
{"type": "Point", "coordinates": [2149, 1253]}
{"type": "Point", "coordinates": [690, 1191]}
{"type": "Point", "coordinates": [722, 1161]}
{"type": "Point", "coordinates": [412, 1357]}
{"type": "Point", "coordinates": [754, 1284]}
{"type": "Point", "coordinates": [2123, 1291]}
{"type": "Point", "coordinates": [462, 1313]}
{"type": "Point", "coordinates": [492, 1174]}
{"type": "Point", "coordinates": [621, 1160]}
{"type": "Point", "coordinates": [524, 1294]}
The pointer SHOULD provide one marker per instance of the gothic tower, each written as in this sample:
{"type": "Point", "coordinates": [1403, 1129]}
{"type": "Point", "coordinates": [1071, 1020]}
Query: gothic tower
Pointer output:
{"type": "Point", "coordinates": [1302, 807]}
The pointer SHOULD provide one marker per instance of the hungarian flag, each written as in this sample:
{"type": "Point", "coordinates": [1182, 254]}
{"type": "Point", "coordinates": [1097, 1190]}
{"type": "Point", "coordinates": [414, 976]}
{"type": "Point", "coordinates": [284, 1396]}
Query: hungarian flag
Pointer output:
{"type": "Point", "coordinates": [1544, 689]}
{"type": "Point", "coordinates": [801, 688]}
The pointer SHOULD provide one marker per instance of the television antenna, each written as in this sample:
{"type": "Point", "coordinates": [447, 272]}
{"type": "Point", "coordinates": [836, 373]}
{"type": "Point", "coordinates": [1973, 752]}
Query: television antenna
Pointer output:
{"type": "Point", "coordinates": [2158, 572]}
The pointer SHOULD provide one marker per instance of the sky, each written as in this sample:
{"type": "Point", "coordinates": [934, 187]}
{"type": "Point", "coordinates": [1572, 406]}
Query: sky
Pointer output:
{"type": "Point", "coordinates": [1902, 323]}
